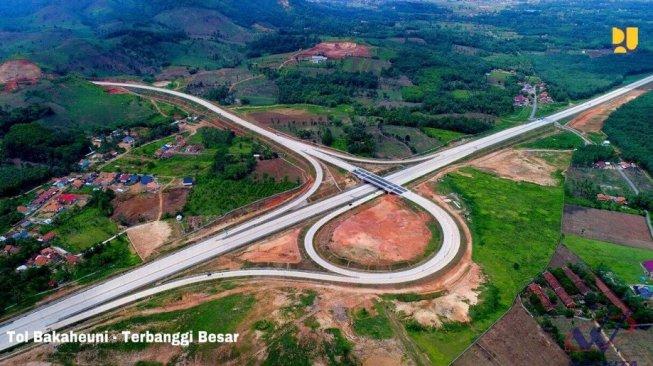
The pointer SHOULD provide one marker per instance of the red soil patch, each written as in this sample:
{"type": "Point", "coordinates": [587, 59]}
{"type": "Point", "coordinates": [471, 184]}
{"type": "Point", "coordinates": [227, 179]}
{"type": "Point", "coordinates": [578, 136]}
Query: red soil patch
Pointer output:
{"type": "Point", "coordinates": [336, 50]}
{"type": "Point", "coordinates": [593, 119]}
{"type": "Point", "coordinates": [279, 170]}
{"type": "Point", "coordinates": [613, 227]}
{"type": "Point", "coordinates": [133, 210]}
{"type": "Point", "coordinates": [174, 200]}
{"type": "Point", "coordinates": [382, 234]}
{"type": "Point", "coordinates": [16, 72]}
{"type": "Point", "coordinates": [280, 249]}
{"type": "Point", "coordinates": [116, 90]}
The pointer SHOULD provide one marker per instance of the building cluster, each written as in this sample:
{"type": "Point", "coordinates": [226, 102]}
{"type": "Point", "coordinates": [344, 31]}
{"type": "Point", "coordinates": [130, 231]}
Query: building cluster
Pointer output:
{"type": "Point", "coordinates": [529, 91]}
{"type": "Point", "coordinates": [609, 165]}
{"type": "Point", "coordinates": [570, 302]}
{"type": "Point", "coordinates": [620, 200]}
{"type": "Point", "coordinates": [179, 146]}
{"type": "Point", "coordinates": [49, 256]}
{"type": "Point", "coordinates": [68, 192]}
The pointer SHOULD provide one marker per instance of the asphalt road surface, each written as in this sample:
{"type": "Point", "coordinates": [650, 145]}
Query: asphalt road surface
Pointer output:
{"type": "Point", "coordinates": [123, 288]}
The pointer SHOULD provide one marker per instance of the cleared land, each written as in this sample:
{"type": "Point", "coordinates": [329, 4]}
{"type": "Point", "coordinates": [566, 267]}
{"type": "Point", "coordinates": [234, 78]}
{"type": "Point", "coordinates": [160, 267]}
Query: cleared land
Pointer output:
{"type": "Point", "coordinates": [336, 50]}
{"type": "Point", "coordinates": [516, 339]}
{"type": "Point", "coordinates": [133, 210]}
{"type": "Point", "coordinates": [610, 226]}
{"type": "Point", "coordinates": [148, 237]}
{"type": "Point", "coordinates": [384, 233]}
{"type": "Point", "coordinates": [593, 119]}
{"type": "Point", "coordinates": [624, 261]}
{"type": "Point", "coordinates": [453, 306]}
{"type": "Point", "coordinates": [519, 165]}
{"type": "Point", "coordinates": [279, 170]}
{"type": "Point", "coordinates": [16, 72]}
{"type": "Point", "coordinates": [282, 248]}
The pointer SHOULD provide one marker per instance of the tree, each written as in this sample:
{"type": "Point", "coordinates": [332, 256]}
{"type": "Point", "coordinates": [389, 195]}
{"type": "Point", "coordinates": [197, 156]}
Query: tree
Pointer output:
{"type": "Point", "coordinates": [327, 137]}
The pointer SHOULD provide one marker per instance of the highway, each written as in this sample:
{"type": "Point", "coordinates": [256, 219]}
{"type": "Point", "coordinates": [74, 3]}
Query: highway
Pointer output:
{"type": "Point", "coordinates": [87, 302]}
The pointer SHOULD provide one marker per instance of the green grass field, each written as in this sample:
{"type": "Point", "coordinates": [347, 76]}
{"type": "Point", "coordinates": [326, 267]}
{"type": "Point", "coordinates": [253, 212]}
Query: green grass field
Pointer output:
{"type": "Point", "coordinates": [622, 260]}
{"type": "Point", "coordinates": [117, 256]}
{"type": "Point", "coordinates": [80, 104]}
{"type": "Point", "coordinates": [372, 326]}
{"type": "Point", "coordinates": [515, 118]}
{"type": "Point", "coordinates": [217, 316]}
{"type": "Point", "coordinates": [515, 229]}
{"type": "Point", "coordinates": [341, 110]}
{"type": "Point", "coordinates": [445, 136]}
{"type": "Point", "coordinates": [560, 141]}
{"type": "Point", "coordinates": [84, 228]}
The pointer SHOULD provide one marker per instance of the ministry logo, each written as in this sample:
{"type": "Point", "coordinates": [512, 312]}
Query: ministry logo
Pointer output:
{"type": "Point", "coordinates": [625, 41]}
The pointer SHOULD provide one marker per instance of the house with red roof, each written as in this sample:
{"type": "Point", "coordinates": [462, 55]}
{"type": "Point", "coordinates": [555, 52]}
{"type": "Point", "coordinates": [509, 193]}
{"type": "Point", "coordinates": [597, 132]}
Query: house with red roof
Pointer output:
{"type": "Point", "coordinates": [557, 288]}
{"type": "Point", "coordinates": [41, 260]}
{"type": "Point", "coordinates": [578, 282]}
{"type": "Point", "coordinates": [614, 299]}
{"type": "Point", "coordinates": [10, 249]}
{"type": "Point", "coordinates": [48, 236]}
{"type": "Point", "coordinates": [537, 290]}
{"type": "Point", "coordinates": [68, 198]}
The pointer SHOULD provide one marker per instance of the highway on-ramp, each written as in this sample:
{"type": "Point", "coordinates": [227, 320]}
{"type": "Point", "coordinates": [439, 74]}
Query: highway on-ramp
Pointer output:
{"type": "Point", "coordinates": [121, 288]}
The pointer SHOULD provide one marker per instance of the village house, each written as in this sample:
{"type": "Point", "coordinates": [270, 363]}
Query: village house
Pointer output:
{"type": "Point", "coordinates": [194, 149]}
{"type": "Point", "coordinates": [104, 179]}
{"type": "Point", "coordinates": [544, 98]}
{"type": "Point", "coordinates": [10, 249]}
{"type": "Point", "coordinates": [72, 259]}
{"type": "Point", "coordinates": [84, 164]}
{"type": "Point", "coordinates": [620, 200]}
{"type": "Point", "coordinates": [128, 140]}
{"type": "Point", "coordinates": [68, 199]}
{"type": "Point", "coordinates": [52, 207]}
{"type": "Point", "coordinates": [78, 184]}
{"type": "Point", "coordinates": [152, 187]}
{"type": "Point", "coordinates": [188, 182]}
{"type": "Point", "coordinates": [528, 89]}
{"type": "Point", "coordinates": [520, 101]}
{"type": "Point", "coordinates": [45, 196]}
{"type": "Point", "coordinates": [48, 236]}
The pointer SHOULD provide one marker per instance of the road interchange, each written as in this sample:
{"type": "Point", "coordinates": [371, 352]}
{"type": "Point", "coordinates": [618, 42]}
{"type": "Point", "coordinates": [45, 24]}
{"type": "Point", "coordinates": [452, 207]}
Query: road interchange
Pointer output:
{"type": "Point", "coordinates": [127, 287]}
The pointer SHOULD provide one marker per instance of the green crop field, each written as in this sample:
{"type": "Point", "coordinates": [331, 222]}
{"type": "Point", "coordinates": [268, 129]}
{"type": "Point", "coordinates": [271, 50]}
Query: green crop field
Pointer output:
{"type": "Point", "coordinates": [445, 136]}
{"type": "Point", "coordinates": [624, 261]}
{"type": "Point", "coordinates": [80, 230]}
{"type": "Point", "coordinates": [560, 141]}
{"type": "Point", "coordinates": [515, 227]}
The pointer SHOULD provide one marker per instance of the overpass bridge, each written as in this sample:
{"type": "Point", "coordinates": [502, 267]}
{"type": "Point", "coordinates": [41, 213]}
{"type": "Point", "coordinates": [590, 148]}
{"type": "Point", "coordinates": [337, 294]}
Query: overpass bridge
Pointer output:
{"type": "Point", "coordinates": [379, 182]}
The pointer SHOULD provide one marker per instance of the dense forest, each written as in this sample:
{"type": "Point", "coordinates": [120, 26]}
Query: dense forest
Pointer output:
{"type": "Point", "coordinates": [630, 127]}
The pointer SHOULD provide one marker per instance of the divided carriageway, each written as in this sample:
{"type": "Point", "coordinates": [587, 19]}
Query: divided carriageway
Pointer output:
{"type": "Point", "coordinates": [138, 283]}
